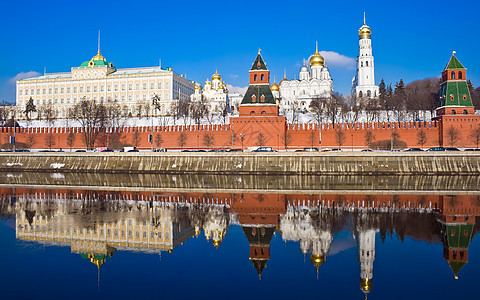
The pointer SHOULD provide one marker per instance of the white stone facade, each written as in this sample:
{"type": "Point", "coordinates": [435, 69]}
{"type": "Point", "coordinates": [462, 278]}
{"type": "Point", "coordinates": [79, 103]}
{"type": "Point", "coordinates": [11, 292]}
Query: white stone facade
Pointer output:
{"type": "Point", "coordinates": [104, 83]}
{"type": "Point", "coordinates": [313, 82]}
{"type": "Point", "coordinates": [214, 94]}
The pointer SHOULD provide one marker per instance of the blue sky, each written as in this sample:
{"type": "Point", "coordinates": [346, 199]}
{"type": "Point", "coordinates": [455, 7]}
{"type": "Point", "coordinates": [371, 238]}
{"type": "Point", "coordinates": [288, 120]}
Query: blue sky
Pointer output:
{"type": "Point", "coordinates": [411, 39]}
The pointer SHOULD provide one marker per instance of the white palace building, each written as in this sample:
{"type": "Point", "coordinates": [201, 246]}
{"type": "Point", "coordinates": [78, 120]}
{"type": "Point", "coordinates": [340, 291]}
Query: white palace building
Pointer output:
{"type": "Point", "coordinates": [99, 80]}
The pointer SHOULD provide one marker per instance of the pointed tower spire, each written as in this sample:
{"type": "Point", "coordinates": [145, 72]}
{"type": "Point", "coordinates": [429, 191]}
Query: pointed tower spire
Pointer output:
{"type": "Point", "coordinates": [364, 19]}
{"type": "Point", "coordinates": [99, 41]}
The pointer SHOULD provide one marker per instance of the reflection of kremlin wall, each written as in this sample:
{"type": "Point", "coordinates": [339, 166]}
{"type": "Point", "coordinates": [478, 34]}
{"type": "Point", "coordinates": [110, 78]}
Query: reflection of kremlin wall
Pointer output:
{"type": "Point", "coordinates": [142, 221]}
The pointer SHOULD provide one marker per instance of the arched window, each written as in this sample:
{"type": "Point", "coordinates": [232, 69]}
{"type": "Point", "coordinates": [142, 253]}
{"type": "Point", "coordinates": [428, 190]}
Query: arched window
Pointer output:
{"type": "Point", "coordinates": [465, 112]}
{"type": "Point", "coordinates": [464, 97]}
{"type": "Point", "coordinates": [263, 112]}
{"type": "Point", "coordinates": [255, 77]}
{"type": "Point", "coordinates": [366, 63]}
{"type": "Point", "coordinates": [459, 74]}
{"type": "Point", "coordinates": [369, 93]}
{"type": "Point", "coordinates": [262, 77]}
{"type": "Point", "coordinates": [252, 112]}
{"type": "Point", "coordinates": [254, 98]}
{"type": "Point", "coordinates": [453, 75]}
{"type": "Point", "coordinates": [454, 112]}
{"type": "Point", "coordinates": [360, 94]}
{"type": "Point", "coordinates": [262, 98]}
{"type": "Point", "coordinates": [361, 63]}
{"type": "Point", "coordinates": [452, 97]}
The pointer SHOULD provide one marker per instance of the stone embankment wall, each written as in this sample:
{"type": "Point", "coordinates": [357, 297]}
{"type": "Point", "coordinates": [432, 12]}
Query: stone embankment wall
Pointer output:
{"type": "Point", "coordinates": [318, 163]}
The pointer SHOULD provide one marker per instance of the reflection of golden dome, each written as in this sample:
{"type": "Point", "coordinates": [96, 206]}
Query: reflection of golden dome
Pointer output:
{"type": "Point", "coordinates": [366, 285]}
{"type": "Point", "coordinates": [216, 76]}
{"type": "Point", "coordinates": [317, 260]}
{"type": "Point", "coordinates": [95, 261]}
{"type": "Point", "coordinates": [217, 243]}
{"type": "Point", "coordinates": [316, 59]}
{"type": "Point", "coordinates": [197, 232]}
{"type": "Point", "coordinates": [274, 87]}
{"type": "Point", "coordinates": [99, 56]}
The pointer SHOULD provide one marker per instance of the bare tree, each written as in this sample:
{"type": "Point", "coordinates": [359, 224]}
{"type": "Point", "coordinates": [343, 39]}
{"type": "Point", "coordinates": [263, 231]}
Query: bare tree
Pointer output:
{"type": "Point", "coordinates": [453, 136]}
{"type": "Point", "coordinates": [312, 138]}
{"type": "Point", "coordinates": [198, 110]}
{"type": "Point", "coordinates": [49, 114]}
{"type": "Point", "coordinates": [92, 119]}
{"type": "Point", "coordinates": [261, 139]}
{"type": "Point", "coordinates": [475, 136]}
{"type": "Point", "coordinates": [369, 138]}
{"type": "Point", "coordinates": [333, 106]}
{"type": "Point", "coordinates": [71, 139]}
{"type": "Point", "coordinates": [339, 137]}
{"type": "Point", "coordinates": [31, 140]}
{"type": "Point", "coordinates": [208, 139]}
{"type": "Point", "coordinates": [50, 140]}
{"type": "Point", "coordinates": [421, 137]}
{"type": "Point", "coordinates": [136, 138]}
{"type": "Point", "coordinates": [316, 107]}
{"type": "Point", "coordinates": [158, 140]}
{"type": "Point", "coordinates": [224, 112]}
{"type": "Point", "coordinates": [182, 139]}
{"type": "Point", "coordinates": [287, 139]}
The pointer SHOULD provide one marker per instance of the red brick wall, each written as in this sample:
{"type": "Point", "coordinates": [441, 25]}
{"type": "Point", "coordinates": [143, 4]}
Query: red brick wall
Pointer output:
{"type": "Point", "coordinates": [274, 130]}
{"type": "Point", "coordinates": [355, 133]}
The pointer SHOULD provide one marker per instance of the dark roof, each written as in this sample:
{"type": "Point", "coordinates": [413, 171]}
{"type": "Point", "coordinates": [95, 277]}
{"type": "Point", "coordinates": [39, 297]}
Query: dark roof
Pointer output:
{"type": "Point", "coordinates": [457, 89]}
{"type": "Point", "coordinates": [259, 64]}
{"type": "Point", "coordinates": [454, 64]}
{"type": "Point", "coordinates": [258, 90]}
{"type": "Point", "coordinates": [258, 238]}
{"type": "Point", "coordinates": [259, 265]}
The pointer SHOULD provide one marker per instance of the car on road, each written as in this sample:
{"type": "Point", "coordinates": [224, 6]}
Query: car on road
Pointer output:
{"type": "Point", "coordinates": [367, 150]}
{"type": "Point", "coordinates": [310, 149]}
{"type": "Point", "coordinates": [414, 149]}
{"type": "Point", "coordinates": [235, 150]}
{"type": "Point", "coordinates": [452, 149]}
{"type": "Point", "coordinates": [472, 149]}
{"type": "Point", "coordinates": [436, 149]}
{"type": "Point", "coordinates": [263, 149]}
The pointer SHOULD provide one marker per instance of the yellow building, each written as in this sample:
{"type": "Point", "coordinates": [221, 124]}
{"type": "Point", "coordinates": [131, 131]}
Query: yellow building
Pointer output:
{"type": "Point", "coordinates": [99, 80]}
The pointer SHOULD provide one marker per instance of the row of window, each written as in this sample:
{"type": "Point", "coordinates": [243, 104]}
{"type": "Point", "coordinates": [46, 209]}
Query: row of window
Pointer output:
{"type": "Point", "coordinates": [88, 88]}
{"type": "Point", "coordinates": [115, 98]}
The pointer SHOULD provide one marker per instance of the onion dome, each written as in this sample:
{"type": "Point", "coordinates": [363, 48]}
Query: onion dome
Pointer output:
{"type": "Point", "coordinates": [217, 243]}
{"type": "Point", "coordinates": [364, 32]}
{"type": "Point", "coordinates": [274, 87]}
{"type": "Point", "coordinates": [98, 56]}
{"type": "Point", "coordinates": [197, 86]}
{"type": "Point", "coordinates": [208, 82]}
{"type": "Point", "coordinates": [316, 59]}
{"type": "Point", "coordinates": [216, 76]}
{"type": "Point", "coordinates": [284, 77]}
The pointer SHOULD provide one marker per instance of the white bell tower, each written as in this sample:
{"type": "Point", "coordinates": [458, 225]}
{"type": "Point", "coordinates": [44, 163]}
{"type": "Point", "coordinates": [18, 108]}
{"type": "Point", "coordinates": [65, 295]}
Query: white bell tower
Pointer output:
{"type": "Point", "coordinates": [364, 80]}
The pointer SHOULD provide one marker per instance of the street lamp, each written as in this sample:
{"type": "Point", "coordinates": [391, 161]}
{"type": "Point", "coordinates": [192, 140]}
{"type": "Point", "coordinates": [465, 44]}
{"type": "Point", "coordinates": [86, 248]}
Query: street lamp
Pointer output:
{"type": "Point", "coordinates": [242, 137]}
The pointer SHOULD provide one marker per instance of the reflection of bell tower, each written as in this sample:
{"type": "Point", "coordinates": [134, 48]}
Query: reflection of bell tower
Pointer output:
{"type": "Point", "coordinates": [259, 239]}
{"type": "Point", "coordinates": [366, 256]}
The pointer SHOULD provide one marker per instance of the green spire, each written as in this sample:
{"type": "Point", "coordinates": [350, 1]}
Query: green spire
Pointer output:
{"type": "Point", "coordinates": [454, 63]}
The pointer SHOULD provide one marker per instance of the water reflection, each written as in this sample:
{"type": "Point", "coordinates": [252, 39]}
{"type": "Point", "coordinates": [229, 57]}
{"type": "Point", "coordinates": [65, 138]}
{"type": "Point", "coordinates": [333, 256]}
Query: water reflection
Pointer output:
{"type": "Point", "coordinates": [96, 224]}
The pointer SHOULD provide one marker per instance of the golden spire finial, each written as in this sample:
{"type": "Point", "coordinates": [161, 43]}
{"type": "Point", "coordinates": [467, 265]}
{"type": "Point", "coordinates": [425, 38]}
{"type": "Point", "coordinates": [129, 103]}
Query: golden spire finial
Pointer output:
{"type": "Point", "coordinates": [99, 41]}
{"type": "Point", "coordinates": [259, 50]}
{"type": "Point", "coordinates": [316, 47]}
{"type": "Point", "coordinates": [285, 77]}
{"type": "Point", "coordinates": [364, 18]}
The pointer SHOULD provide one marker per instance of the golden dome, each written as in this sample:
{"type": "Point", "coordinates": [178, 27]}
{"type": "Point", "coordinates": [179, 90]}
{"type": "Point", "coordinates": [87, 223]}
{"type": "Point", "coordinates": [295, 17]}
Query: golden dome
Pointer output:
{"type": "Point", "coordinates": [99, 56]}
{"type": "Point", "coordinates": [197, 86]}
{"type": "Point", "coordinates": [316, 59]}
{"type": "Point", "coordinates": [274, 87]}
{"type": "Point", "coordinates": [364, 32]}
{"type": "Point", "coordinates": [208, 82]}
{"type": "Point", "coordinates": [216, 76]}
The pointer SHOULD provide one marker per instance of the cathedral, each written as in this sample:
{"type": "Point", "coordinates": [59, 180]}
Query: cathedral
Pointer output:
{"type": "Point", "coordinates": [313, 82]}
{"type": "Point", "coordinates": [214, 93]}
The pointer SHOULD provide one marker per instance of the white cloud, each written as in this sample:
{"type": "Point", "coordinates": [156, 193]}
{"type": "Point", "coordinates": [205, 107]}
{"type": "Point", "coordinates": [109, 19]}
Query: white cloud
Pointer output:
{"type": "Point", "coordinates": [23, 75]}
{"type": "Point", "coordinates": [237, 89]}
{"type": "Point", "coordinates": [335, 59]}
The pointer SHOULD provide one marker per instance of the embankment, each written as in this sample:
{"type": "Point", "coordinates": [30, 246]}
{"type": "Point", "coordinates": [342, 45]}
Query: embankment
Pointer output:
{"type": "Point", "coordinates": [289, 163]}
